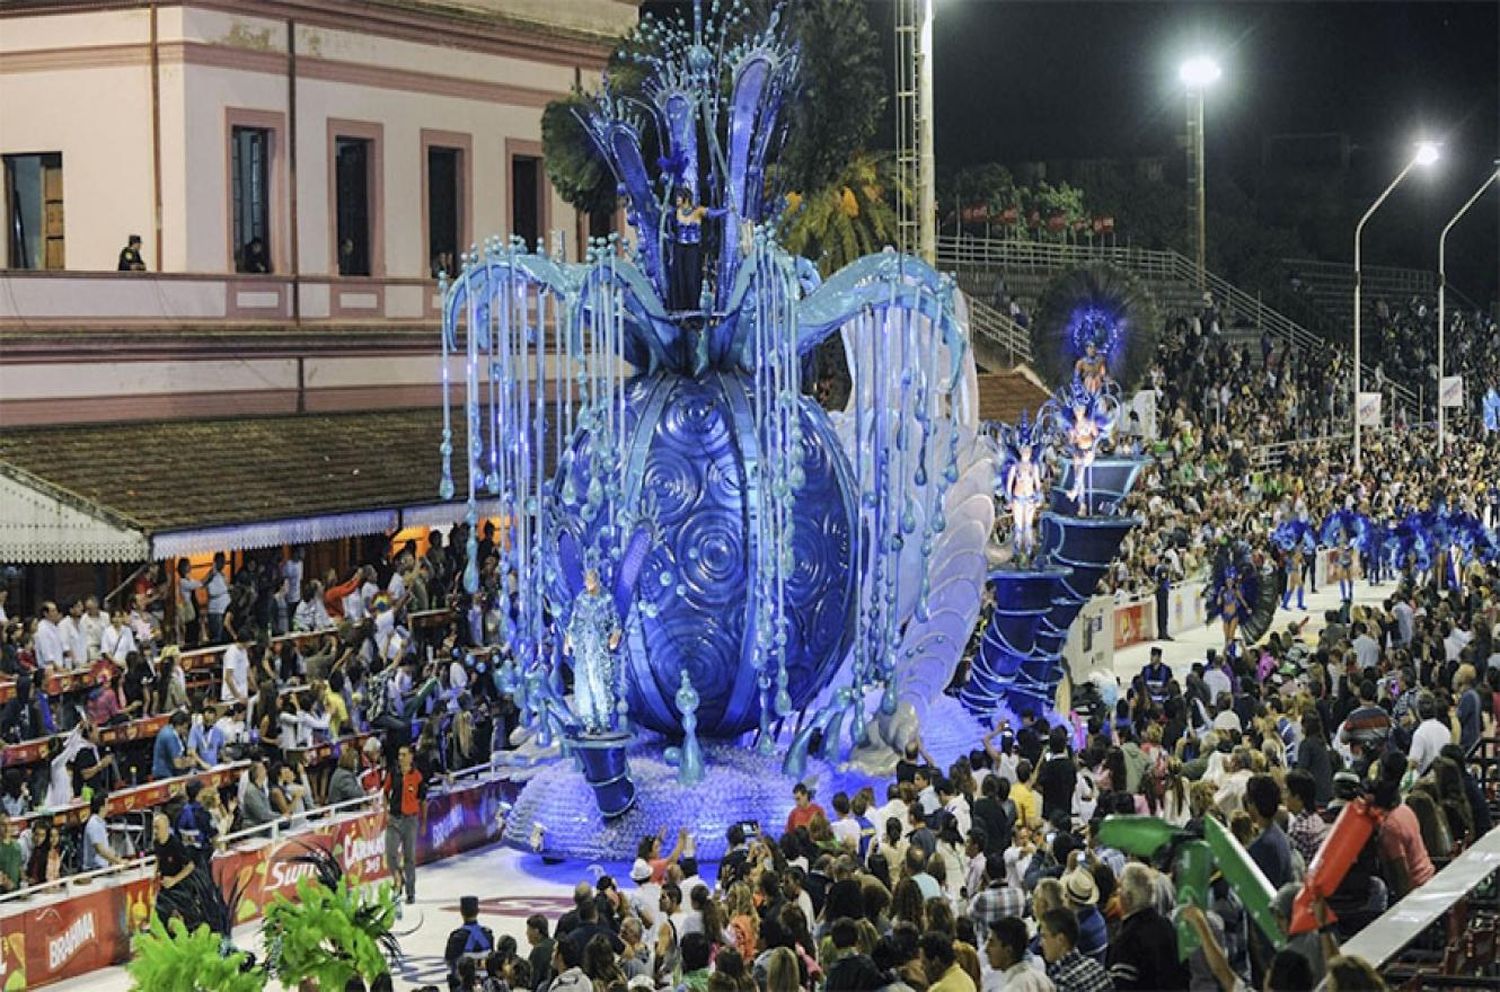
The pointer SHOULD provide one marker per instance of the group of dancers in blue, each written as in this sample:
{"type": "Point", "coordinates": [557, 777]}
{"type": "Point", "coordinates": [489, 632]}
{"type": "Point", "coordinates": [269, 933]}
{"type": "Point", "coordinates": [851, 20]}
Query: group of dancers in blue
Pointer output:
{"type": "Point", "coordinates": [1407, 541]}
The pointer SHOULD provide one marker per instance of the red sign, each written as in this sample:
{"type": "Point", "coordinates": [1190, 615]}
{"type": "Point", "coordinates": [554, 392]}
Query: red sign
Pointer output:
{"type": "Point", "coordinates": [1010, 216]}
{"type": "Point", "coordinates": [75, 936]}
{"type": "Point", "coordinates": [975, 213]}
{"type": "Point", "coordinates": [1130, 625]}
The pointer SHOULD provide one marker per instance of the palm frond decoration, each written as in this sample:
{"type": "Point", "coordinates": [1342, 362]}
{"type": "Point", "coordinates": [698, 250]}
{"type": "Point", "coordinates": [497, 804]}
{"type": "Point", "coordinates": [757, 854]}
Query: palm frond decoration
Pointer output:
{"type": "Point", "coordinates": [331, 934]}
{"type": "Point", "coordinates": [169, 958]}
{"type": "Point", "coordinates": [1097, 304]}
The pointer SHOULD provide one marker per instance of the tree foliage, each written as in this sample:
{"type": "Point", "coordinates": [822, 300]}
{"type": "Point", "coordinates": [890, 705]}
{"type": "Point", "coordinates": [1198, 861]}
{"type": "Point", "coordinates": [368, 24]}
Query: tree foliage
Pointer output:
{"type": "Point", "coordinates": [843, 92]}
{"type": "Point", "coordinates": [849, 217]}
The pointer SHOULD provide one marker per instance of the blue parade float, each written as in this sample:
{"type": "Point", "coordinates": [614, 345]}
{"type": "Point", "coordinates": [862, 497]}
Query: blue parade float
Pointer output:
{"type": "Point", "coordinates": [714, 587]}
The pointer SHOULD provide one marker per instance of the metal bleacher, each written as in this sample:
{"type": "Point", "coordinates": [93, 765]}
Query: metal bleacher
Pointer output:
{"type": "Point", "coordinates": [1446, 934]}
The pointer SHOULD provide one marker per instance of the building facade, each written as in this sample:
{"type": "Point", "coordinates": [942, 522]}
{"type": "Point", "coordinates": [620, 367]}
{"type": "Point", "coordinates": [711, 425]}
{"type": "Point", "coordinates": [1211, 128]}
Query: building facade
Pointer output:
{"type": "Point", "coordinates": [297, 172]}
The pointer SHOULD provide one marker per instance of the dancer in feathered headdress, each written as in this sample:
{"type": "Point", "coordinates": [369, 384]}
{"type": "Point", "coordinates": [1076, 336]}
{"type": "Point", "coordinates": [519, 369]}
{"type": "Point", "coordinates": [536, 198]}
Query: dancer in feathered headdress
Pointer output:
{"type": "Point", "coordinates": [1234, 587]}
{"type": "Point", "coordinates": [1084, 420]}
{"type": "Point", "coordinates": [1298, 542]}
{"type": "Point", "coordinates": [1023, 468]}
{"type": "Point", "coordinates": [1345, 530]}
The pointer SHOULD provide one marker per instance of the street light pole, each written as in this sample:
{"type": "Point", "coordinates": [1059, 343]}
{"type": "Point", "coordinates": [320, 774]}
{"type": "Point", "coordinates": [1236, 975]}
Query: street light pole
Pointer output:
{"type": "Point", "coordinates": [1427, 153]}
{"type": "Point", "coordinates": [1200, 208]}
{"type": "Point", "coordinates": [1197, 74]}
{"type": "Point", "coordinates": [926, 156]}
{"type": "Point", "coordinates": [1442, 295]}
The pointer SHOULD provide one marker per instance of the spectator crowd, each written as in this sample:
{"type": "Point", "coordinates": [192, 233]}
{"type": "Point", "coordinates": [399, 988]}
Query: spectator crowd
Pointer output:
{"type": "Point", "coordinates": [310, 686]}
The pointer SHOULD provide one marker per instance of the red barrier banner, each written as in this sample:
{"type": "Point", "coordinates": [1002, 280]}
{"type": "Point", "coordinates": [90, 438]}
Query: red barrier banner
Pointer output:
{"type": "Point", "coordinates": [1130, 625]}
{"type": "Point", "coordinates": [76, 936]}
{"type": "Point", "coordinates": [13, 952]}
{"type": "Point", "coordinates": [93, 928]}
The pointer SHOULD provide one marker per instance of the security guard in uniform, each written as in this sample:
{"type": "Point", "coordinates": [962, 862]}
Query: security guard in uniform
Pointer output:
{"type": "Point", "coordinates": [130, 256]}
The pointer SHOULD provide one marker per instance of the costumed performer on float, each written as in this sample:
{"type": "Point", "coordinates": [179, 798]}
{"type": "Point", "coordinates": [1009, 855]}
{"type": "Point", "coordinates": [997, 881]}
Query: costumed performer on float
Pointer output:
{"type": "Point", "coordinates": [1091, 369]}
{"type": "Point", "coordinates": [686, 288]}
{"type": "Point", "coordinates": [592, 637]}
{"type": "Point", "coordinates": [1023, 453]}
{"type": "Point", "coordinates": [1084, 420]}
{"type": "Point", "coordinates": [595, 625]}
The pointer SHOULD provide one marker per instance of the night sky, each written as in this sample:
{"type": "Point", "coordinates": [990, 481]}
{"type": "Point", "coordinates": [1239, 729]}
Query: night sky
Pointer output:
{"type": "Point", "coordinates": [1048, 80]}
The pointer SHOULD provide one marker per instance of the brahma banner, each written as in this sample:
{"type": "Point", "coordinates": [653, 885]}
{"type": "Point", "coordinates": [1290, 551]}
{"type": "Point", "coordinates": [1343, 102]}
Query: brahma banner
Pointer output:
{"type": "Point", "coordinates": [46, 944]}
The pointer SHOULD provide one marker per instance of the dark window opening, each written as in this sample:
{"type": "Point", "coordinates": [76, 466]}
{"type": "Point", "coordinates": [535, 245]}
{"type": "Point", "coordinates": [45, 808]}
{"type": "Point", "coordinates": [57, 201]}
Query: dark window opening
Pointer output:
{"type": "Point", "coordinates": [252, 201]}
{"type": "Point", "coordinates": [352, 185]}
{"type": "Point", "coordinates": [33, 211]}
{"type": "Point", "coordinates": [525, 198]}
{"type": "Point", "coordinates": [443, 200]}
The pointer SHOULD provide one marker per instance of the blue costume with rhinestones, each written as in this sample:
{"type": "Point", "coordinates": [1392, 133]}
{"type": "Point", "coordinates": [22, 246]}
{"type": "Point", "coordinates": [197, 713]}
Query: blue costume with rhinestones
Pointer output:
{"type": "Point", "coordinates": [593, 625]}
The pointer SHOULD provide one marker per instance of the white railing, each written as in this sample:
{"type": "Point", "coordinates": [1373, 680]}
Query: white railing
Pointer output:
{"type": "Point", "coordinates": [1147, 263]}
{"type": "Point", "coordinates": [272, 832]}
{"type": "Point", "coordinates": [40, 299]}
{"type": "Point", "coordinates": [1271, 455]}
{"type": "Point", "coordinates": [1000, 330]}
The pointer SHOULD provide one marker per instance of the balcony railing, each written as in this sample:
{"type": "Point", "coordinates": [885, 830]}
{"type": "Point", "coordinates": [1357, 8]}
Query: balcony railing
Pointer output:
{"type": "Point", "coordinates": [34, 300]}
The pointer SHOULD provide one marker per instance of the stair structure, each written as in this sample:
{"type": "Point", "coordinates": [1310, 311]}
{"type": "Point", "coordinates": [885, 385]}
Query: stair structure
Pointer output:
{"type": "Point", "coordinates": [1004, 396]}
{"type": "Point", "coordinates": [1028, 267]}
{"type": "Point", "coordinates": [1328, 287]}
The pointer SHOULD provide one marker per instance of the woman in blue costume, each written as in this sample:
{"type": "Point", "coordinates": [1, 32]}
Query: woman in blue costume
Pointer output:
{"type": "Point", "coordinates": [593, 635]}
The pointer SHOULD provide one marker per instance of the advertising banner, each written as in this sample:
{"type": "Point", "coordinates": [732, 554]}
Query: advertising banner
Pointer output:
{"type": "Point", "coordinates": [1133, 623]}
{"type": "Point", "coordinates": [1369, 409]}
{"type": "Point", "coordinates": [91, 930]}
{"type": "Point", "coordinates": [1451, 391]}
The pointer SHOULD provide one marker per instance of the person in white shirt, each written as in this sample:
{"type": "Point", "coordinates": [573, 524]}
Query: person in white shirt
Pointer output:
{"type": "Point", "coordinates": [291, 572]}
{"type": "Point", "coordinates": [4, 595]}
{"type": "Point", "coordinates": [845, 828]}
{"type": "Point", "coordinates": [1366, 648]}
{"type": "Point", "coordinates": [1431, 735]}
{"type": "Point", "coordinates": [311, 613]}
{"type": "Point", "coordinates": [60, 780]}
{"type": "Point", "coordinates": [217, 587]}
{"type": "Point", "coordinates": [1405, 622]}
{"type": "Point", "coordinates": [118, 640]}
{"type": "Point", "coordinates": [51, 652]}
{"type": "Point", "coordinates": [396, 588]}
{"type": "Point", "coordinates": [95, 622]}
{"type": "Point", "coordinates": [75, 641]}
{"type": "Point", "coordinates": [235, 686]}
{"type": "Point", "coordinates": [1455, 642]}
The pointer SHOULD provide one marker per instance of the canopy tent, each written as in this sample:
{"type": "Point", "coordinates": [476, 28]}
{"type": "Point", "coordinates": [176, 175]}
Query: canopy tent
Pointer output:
{"type": "Point", "coordinates": [150, 491]}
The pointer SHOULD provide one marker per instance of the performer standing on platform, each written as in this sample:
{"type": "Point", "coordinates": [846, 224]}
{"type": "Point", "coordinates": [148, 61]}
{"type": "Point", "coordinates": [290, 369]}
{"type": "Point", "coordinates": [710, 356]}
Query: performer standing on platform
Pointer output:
{"type": "Point", "coordinates": [686, 287]}
{"type": "Point", "coordinates": [593, 634]}
{"type": "Point", "coordinates": [1023, 487]}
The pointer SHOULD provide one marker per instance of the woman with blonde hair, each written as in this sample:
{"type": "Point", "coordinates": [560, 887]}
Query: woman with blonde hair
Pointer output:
{"type": "Point", "coordinates": [782, 971]}
{"type": "Point", "coordinates": [744, 923]}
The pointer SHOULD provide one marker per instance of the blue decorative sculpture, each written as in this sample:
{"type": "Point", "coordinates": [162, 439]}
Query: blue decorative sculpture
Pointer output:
{"type": "Point", "coordinates": [690, 767]}
{"type": "Point", "coordinates": [796, 561]}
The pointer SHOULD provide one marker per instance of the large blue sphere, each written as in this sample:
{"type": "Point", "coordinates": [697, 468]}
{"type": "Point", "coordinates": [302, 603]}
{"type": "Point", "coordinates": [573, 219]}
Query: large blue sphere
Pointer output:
{"type": "Point", "coordinates": [690, 445]}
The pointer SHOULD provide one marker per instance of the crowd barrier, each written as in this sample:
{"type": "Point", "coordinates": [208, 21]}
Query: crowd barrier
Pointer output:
{"type": "Point", "coordinates": [90, 924]}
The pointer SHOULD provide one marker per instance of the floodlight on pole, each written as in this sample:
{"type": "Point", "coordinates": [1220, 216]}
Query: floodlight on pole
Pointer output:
{"type": "Point", "coordinates": [1197, 74]}
{"type": "Point", "coordinates": [1442, 315]}
{"type": "Point", "coordinates": [1426, 153]}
